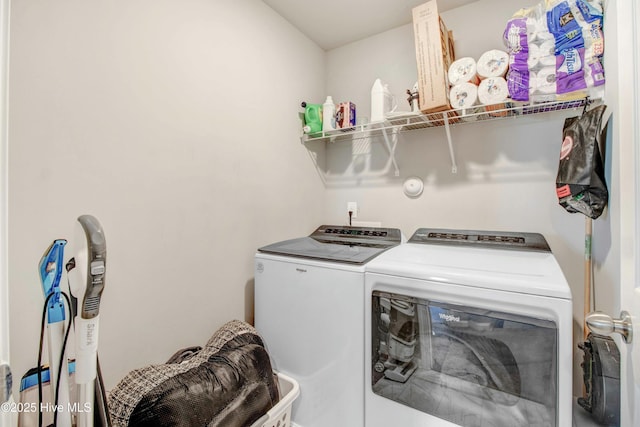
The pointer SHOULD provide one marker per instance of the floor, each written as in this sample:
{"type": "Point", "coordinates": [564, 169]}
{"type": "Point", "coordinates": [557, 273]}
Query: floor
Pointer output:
{"type": "Point", "coordinates": [581, 417]}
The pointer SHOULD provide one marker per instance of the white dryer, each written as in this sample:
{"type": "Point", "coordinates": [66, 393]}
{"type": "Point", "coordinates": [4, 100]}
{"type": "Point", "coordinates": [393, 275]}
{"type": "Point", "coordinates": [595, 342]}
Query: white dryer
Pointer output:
{"type": "Point", "coordinates": [309, 309]}
{"type": "Point", "coordinates": [468, 328]}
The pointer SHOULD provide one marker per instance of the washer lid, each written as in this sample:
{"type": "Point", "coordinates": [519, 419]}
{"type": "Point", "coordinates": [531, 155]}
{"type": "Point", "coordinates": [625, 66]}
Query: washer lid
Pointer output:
{"type": "Point", "coordinates": [520, 271]}
{"type": "Point", "coordinates": [354, 245]}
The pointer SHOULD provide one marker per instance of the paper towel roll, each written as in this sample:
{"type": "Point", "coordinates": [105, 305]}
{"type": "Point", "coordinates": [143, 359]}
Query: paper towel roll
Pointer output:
{"type": "Point", "coordinates": [493, 63]}
{"type": "Point", "coordinates": [463, 95]}
{"type": "Point", "coordinates": [493, 93]}
{"type": "Point", "coordinates": [463, 70]}
{"type": "Point", "coordinates": [493, 90]}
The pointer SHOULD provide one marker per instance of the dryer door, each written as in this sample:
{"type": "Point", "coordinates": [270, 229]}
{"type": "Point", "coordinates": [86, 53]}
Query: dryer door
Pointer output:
{"type": "Point", "coordinates": [460, 362]}
{"type": "Point", "coordinates": [442, 354]}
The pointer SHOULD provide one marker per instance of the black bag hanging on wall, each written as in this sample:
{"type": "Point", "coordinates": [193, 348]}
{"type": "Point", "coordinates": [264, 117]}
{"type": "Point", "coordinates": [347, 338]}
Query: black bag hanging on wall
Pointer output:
{"type": "Point", "coordinates": [580, 184]}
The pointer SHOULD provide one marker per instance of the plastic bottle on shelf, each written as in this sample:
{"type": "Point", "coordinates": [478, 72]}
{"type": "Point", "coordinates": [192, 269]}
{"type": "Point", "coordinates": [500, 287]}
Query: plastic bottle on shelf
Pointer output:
{"type": "Point", "coordinates": [312, 117]}
{"type": "Point", "coordinates": [328, 114]}
{"type": "Point", "coordinates": [377, 101]}
{"type": "Point", "coordinates": [382, 101]}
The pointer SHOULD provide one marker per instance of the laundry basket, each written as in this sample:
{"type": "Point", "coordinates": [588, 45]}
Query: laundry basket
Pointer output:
{"type": "Point", "coordinates": [280, 414]}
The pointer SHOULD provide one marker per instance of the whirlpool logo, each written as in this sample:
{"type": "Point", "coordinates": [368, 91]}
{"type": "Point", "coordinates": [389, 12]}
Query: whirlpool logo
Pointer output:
{"type": "Point", "coordinates": [448, 317]}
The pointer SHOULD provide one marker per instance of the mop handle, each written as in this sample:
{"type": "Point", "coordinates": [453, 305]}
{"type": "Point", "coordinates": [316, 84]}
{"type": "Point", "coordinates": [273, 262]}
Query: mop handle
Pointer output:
{"type": "Point", "coordinates": [588, 233]}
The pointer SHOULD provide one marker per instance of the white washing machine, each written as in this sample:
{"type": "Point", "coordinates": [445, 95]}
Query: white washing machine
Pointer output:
{"type": "Point", "coordinates": [468, 328]}
{"type": "Point", "coordinates": [309, 309]}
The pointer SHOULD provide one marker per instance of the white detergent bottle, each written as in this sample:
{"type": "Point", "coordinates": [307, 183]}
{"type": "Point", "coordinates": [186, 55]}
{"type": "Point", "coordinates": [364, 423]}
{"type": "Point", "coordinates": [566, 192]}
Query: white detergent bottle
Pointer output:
{"type": "Point", "coordinates": [328, 114]}
{"type": "Point", "coordinates": [382, 101]}
{"type": "Point", "coordinates": [377, 101]}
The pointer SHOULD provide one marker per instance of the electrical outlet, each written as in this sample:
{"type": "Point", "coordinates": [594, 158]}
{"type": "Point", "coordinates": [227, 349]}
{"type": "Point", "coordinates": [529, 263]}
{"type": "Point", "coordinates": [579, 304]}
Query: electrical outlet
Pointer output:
{"type": "Point", "coordinates": [353, 208]}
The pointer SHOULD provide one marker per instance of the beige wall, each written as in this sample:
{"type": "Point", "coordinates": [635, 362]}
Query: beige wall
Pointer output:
{"type": "Point", "coordinates": [175, 124]}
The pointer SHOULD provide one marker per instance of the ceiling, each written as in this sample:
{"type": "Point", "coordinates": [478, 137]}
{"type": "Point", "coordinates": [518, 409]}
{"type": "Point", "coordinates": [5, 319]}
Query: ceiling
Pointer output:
{"type": "Point", "coordinates": [334, 23]}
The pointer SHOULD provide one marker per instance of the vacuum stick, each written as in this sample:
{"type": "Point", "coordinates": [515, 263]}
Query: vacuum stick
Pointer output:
{"type": "Point", "coordinates": [87, 280]}
{"type": "Point", "coordinates": [50, 268]}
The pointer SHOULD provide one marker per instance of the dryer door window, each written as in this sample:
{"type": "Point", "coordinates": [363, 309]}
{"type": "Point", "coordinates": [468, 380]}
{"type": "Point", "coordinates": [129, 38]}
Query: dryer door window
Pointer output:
{"type": "Point", "coordinates": [468, 365]}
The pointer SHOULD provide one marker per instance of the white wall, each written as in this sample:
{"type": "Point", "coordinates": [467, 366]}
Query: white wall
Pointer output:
{"type": "Point", "coordinates": [506, 169]}
{"type": "Point", "coordinates": [5, 395]}
{"type": "Point", "coordinates": [175, 124]}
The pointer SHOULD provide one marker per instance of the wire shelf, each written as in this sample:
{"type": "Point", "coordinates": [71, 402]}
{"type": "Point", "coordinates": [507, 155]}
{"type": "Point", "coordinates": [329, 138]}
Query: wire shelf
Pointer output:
{"type": "Point", "coordinates": [403, 122]}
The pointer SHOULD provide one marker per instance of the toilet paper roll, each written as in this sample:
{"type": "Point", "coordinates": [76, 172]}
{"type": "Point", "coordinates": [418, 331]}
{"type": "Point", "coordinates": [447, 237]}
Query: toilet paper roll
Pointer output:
{"type": "Point", "coordinates": [545, 81]}
{"type": "Point", "coordinates": [463, 95]}
{"type": "Point", "coordinates": [536, 25]}
{"type": "Point", "coordinates": [547, 53]}
{"type": "Point", "coordinates": [537, 28]}
{"type": "Point", "coordinates": [493, 93]}
{"type": "Point", "coordinates": [541, 55]}
{"type": "Point", "coordinates": [544, 36]}
{"type": "Point", "coordinates": [463, 70]}
{"type": "Point", "coordinates": [493, 63]}
{"type": "Point", "coordinates": [534, 56]}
